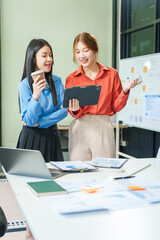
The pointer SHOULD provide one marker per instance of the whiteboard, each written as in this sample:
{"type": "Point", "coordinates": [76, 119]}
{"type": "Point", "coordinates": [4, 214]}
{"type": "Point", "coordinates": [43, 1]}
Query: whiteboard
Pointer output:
{"type": "Point", "coordinates": [143, 106]}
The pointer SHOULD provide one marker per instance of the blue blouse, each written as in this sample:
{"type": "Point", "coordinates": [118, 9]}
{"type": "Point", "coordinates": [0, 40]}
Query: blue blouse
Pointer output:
{"type": "Point", "coordinates": [42, 111]}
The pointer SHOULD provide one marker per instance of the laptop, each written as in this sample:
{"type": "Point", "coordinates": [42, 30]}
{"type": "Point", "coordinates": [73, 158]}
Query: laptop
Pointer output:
{"type": "Point", "coordinates": [24, 162]}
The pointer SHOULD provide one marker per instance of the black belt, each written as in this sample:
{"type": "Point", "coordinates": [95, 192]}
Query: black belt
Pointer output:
{"type": "Point", "coordinates": [41, 131]}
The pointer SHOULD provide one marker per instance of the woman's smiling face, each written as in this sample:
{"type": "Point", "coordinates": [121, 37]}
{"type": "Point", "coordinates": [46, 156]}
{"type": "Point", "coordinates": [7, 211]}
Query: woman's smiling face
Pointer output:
{"type": "Point", "coordinates": [84, 55]}
{"type": "Point", "coordinates": [44, 59]}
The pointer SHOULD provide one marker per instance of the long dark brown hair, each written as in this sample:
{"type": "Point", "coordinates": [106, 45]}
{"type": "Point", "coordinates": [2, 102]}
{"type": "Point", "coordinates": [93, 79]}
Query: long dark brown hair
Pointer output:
{"type": "Point", "coordinates": [29, 66]}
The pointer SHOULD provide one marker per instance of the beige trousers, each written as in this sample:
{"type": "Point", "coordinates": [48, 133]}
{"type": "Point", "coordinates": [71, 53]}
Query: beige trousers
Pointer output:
{"type": "Point", "coordinates": [91, 136]}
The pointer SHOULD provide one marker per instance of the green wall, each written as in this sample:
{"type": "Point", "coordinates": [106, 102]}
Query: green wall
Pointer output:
{"type": "Point", "coordinates": [58, 22]}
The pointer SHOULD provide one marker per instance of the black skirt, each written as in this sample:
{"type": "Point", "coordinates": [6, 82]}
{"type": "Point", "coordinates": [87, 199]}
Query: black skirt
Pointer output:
{"type": "Point", "coordinates": [46, 140]}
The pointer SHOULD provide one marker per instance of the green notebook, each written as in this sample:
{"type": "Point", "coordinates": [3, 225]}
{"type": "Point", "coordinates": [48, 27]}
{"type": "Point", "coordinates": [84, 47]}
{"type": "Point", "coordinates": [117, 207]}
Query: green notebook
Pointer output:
{"type": "Point", "coordinates": [44, 188]}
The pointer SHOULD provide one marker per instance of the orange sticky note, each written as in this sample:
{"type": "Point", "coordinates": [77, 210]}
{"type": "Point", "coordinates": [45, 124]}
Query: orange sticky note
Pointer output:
{"type": "Point", "coordinates": [144, 88]}
{"type": "Point", "coordinates": [132, 69]}
{"type": "Point", "coordinates": [145, 69]}
{"type": "Point", "coordinates": [90, 190]}
{"type": "Point", "coordinates": [136, 188]}
{"type": "Point", "coordinates": [135, 101]}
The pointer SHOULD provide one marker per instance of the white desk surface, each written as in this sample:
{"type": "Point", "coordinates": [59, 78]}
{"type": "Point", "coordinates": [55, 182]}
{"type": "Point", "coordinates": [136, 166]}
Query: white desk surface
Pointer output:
{"type": "Point", "coordinates": [128, 224]}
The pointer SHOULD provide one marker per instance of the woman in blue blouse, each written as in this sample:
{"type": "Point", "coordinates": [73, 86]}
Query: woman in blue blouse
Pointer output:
{"type": "Point", "coordinates": [41, 103]}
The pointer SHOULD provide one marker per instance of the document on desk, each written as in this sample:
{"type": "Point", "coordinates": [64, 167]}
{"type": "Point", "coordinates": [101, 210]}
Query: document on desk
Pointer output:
{"type": "Point", "coordinates": [73, 166]}
{"type": "Point", "coordinates": [111, 195]}
{"type": "Point", "coordinates": [108, 162]}
{"type": "Point", "coordinates": [77, 201]}
{"type": "Point", "coordinates": [78, 184]}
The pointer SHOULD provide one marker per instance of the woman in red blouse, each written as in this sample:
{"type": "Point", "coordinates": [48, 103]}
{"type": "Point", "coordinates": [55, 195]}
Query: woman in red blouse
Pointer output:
{"type": "Point", "coordinates": [91, 133]}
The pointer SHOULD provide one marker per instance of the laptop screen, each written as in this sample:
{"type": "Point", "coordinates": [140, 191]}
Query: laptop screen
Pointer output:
{"type": "Point", "coordinates": [24, 162]}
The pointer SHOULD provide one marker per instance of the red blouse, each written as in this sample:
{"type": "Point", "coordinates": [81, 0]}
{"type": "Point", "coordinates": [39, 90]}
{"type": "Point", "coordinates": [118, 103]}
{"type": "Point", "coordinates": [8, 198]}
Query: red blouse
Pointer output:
{"type": "Point", "coordinates": [112, 97]}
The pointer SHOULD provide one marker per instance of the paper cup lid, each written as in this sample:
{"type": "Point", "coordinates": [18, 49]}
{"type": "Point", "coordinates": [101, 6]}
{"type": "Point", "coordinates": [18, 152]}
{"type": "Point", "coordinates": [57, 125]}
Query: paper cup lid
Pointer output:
{"type": "Point", "coordinates": [37, 72]}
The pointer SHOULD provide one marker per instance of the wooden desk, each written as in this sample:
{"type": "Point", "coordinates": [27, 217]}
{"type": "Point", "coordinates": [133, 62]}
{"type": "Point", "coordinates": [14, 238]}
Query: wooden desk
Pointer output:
{"type": "Point", "coordinates": [66, 128]}
{"type": "Point", "coordinates": [11, 209]}
{"type": "Point", "coordinates": [128, 224]}
{"type": "Point", "coordinates": [63, 128]}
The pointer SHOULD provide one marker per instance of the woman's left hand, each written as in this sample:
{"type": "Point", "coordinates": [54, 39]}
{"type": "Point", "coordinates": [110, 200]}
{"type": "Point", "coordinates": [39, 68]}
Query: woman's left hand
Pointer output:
{"type": "Point", "coordinates": [74, 105]}
{"type": "Point", "coordinates": [131, 84]}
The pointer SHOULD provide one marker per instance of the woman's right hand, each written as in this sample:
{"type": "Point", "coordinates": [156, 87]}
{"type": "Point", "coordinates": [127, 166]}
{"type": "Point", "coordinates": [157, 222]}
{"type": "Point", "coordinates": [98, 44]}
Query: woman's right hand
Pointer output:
{"type": "Point", "coordinates": [24, 124]}
{"type": "Point", "coordinates": [74, 105]}
{"type": "Point", "coordinates": [38, 86]}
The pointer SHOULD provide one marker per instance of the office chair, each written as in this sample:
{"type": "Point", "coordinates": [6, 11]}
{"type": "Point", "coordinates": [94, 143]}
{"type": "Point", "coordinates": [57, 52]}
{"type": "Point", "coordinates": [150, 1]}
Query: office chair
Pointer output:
{"type": "Point", "coordinates": [3, 223]}
{"type": "Point", "coordinates": [158, 153]}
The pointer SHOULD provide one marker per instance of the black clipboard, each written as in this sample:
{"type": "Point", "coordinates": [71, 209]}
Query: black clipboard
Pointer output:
{"type": "Point", "coordinates": [87, 95]}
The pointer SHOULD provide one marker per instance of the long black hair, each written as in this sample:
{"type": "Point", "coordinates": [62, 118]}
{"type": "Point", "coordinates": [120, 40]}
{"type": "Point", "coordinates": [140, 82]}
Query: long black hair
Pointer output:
{"type": "Point", "coordinates": [29, 65]}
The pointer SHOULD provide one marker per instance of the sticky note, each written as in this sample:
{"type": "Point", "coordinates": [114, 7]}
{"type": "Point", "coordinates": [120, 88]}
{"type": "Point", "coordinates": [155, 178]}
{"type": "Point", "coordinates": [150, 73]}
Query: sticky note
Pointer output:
{"type": "Point", "coordinates": [145, 69]}
{"type": "Point", "coordinates": [144, 88]}
{"type": "Point", "coordinates": [136, 188]}
{"type": "Point", "coordinates": [132, 69]}
{"type": "Point", "coordinates": [90, 190]}
{"type": "Point", "coordinates": [135, 101]}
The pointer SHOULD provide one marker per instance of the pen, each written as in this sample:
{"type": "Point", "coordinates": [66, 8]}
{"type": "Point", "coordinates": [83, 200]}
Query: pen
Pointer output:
{"type": "Point", "coordinates": [118, 178]}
